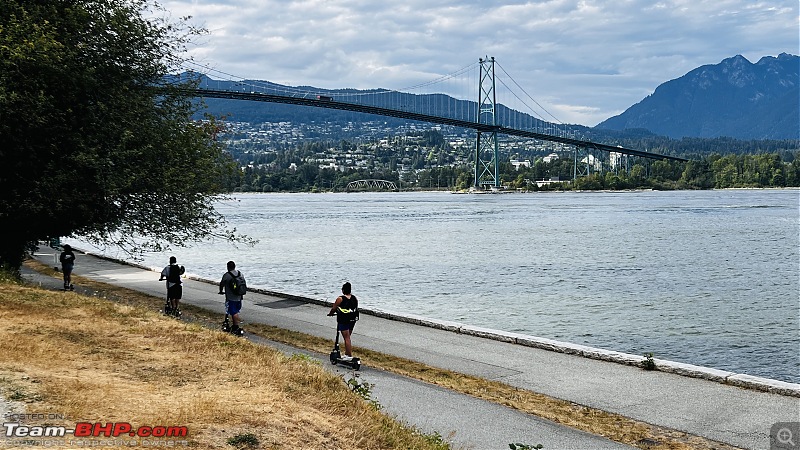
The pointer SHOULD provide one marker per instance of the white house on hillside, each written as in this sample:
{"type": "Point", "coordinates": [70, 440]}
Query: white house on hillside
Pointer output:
{"type": "Point", "coordinates": [551, 157]}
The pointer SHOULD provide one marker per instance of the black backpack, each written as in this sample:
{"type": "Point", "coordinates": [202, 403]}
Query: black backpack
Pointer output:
{"type": "Point", "coordinates": [348, 310]}
{"type": "Point", "coordinates": [175, 272]}
{"type": "Point", "coordinates": [238, 284]}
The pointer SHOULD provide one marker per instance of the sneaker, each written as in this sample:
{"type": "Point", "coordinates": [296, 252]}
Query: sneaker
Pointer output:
{"type": "Point", "coordinates": [347, 358]}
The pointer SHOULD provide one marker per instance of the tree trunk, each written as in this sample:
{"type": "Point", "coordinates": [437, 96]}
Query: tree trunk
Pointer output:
{"type": "Point", "coordinates": [12, 253]}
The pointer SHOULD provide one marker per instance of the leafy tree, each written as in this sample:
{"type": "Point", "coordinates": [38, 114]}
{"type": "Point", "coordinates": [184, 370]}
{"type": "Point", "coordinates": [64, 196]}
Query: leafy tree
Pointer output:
{"type": "Point", "coordinates": [666, 170]}
{"type": "Point", "coordinates": [613, 181]}
{"type": "Point", "coordinates": [697, 175]}
{"type": "Point", "coordinates": [590, 182]}
{"type": "Point", "coordinates": [792, 173]}
{"type": "Point", "coordinates": [637, 175]}
{"type": "Point", "coordinates": [94, 140]}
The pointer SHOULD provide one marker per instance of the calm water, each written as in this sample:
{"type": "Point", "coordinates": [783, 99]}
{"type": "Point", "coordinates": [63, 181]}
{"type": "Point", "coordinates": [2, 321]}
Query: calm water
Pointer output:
{"type": "Point", "coordinates": [708, 277]}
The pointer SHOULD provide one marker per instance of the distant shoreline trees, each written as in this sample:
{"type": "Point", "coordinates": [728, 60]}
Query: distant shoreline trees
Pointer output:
{"type": "Point", "coordinates": [715, 171]}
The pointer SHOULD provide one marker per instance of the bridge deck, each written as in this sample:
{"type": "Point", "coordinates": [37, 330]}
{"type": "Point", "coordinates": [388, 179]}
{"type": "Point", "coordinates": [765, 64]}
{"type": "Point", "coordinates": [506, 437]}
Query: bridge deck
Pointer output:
{"type": "Point", "coordinates": [326, 102]}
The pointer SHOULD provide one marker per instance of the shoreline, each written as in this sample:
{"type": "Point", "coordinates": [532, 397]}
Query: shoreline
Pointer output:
{"type": "Point", "coordinates": [688, 370]}
{"type": "Point", "coordinates": [545, 191]}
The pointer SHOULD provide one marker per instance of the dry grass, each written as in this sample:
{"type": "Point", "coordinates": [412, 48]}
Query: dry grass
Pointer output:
{"type": "Point", "coordinates": [613, 426]}
{"type": "Point", "coordinates": [95, 360]}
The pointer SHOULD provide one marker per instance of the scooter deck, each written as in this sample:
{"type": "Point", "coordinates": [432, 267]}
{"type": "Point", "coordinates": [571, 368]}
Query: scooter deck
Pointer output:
{"type": "Point", "coordinates": [354, 363]}
{"type": "Point", "coordinates": [336, 358]}
{"type": "Point", "coordinates": [168, 311]}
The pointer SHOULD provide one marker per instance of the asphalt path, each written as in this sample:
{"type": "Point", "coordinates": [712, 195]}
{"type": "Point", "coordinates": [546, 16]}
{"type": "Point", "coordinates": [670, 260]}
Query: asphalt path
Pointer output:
{"type": "Point", "coordinates": [740, 416]}
{"type": "Point", "coordinates": [464, 421]}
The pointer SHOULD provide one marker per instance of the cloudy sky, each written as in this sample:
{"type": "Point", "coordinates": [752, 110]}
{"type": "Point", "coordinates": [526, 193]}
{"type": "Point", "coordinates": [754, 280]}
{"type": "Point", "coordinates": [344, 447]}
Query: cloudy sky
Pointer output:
{"type": "Point", "coordinates": [583, 60]}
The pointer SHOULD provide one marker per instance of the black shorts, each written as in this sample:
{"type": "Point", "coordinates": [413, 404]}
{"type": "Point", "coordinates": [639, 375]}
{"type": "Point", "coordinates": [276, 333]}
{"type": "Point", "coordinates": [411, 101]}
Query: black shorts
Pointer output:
{"type": "Point", "coordinates": [175, 292]}
{"type": "Point", "coordinates": [345, 326]}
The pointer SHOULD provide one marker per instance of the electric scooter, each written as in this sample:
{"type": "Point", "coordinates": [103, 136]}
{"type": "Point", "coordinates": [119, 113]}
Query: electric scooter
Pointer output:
{"type": "Point", "coordinates": [169, 311]}
{"type": "Point", "coordinates": [228, 327]}
{"type": "Point", "coordinates": [336, 356]}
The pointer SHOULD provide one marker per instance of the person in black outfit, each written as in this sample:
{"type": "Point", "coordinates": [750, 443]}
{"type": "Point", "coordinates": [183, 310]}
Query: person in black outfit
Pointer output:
{"type": "Point", "coordinates": [67, 259]}
{"type": "Point", "coordinates": [346, 310]}
{"type": "Point", "coordinates": [172, 273]}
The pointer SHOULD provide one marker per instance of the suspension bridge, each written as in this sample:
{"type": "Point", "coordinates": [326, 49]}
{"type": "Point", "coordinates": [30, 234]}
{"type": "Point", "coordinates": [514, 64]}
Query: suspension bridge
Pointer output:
{"type": "Point", "coordinates": [486, 116]}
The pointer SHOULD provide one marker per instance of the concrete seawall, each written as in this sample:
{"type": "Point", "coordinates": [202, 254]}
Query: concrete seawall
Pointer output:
{"type": "Point", "coordinates": [689, 370]}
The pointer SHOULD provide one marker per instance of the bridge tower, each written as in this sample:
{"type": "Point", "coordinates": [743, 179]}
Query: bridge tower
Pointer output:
{"type": "Point", "coordinates": [486, 149]}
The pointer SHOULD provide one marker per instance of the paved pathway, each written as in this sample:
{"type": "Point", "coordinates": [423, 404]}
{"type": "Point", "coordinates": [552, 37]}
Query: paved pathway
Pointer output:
{"type": "Point", "coordinates": [734, 415]}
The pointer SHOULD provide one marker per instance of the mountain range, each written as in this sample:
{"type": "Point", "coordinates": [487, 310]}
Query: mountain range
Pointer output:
{"type": "Point", "coordinates": [734, 98]}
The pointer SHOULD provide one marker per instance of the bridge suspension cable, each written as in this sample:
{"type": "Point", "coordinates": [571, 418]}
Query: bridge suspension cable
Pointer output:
{"type": "Point", "coordinates": [539, 123]}
{"type": "Point", "coordinates": [528, 95]}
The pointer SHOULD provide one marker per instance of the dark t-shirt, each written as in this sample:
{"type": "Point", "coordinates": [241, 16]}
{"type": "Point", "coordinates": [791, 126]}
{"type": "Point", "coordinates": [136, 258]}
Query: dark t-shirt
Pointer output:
{"type": "Point", "coordinates": [348, 304]}
{"type": "Point", "coordinates": [67, 258]}
{"type": "Point", "coordinates": [174, 274]}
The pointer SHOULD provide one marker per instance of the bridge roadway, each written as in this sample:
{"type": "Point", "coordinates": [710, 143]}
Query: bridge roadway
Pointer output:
{"type": "Point", "coordinates": [711, 407]}
{"type": "Point", "coordinates": [483, 128]}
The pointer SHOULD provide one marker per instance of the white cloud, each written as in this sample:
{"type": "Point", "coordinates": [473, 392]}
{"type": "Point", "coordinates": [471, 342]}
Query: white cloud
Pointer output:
{"type": "Point", "coordinates": [584, 60]}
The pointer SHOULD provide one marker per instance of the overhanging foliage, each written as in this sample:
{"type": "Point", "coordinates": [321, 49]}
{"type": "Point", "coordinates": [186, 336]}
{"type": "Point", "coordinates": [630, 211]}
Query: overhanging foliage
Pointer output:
{"type": "Point", "coordinates": [93, 140]}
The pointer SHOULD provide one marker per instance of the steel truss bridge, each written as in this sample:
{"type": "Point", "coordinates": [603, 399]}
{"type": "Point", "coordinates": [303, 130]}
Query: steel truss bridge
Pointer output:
{"type": "Point", "coordinates": [371, 185]}
{"type": "Point", "coordinates": [587, 155]}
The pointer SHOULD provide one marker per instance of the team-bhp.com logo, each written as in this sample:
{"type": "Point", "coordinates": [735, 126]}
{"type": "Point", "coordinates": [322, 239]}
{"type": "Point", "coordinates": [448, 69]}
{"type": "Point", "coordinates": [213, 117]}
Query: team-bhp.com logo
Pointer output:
{"type": "Point", "coordinates": [89, 430]}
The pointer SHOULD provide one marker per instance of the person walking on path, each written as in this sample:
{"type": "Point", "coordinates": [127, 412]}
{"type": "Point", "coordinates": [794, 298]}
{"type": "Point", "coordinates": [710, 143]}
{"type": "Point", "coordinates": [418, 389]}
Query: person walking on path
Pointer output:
{"type": "Point", "coordinates": [67, 259]}
{"type": "Point", "coordinates": [346, 310]}
{"type": "Point", "coordinates": [233, 285]}
{"type": "Point", "coordinates": [172, 273]}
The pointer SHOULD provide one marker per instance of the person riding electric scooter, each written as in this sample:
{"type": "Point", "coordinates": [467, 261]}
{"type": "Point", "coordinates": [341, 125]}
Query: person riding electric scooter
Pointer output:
{"type": "Point", "coordinates": [345, 308]}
